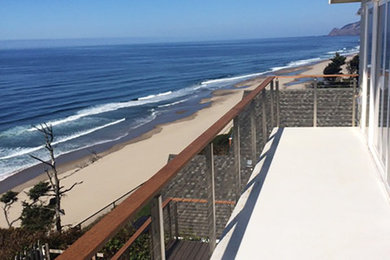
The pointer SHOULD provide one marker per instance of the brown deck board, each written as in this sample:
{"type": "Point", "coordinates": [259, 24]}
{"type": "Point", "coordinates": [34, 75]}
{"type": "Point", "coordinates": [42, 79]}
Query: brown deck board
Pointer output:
{"type": "Point", "coordinates": [204, 252]}
{"type": "Point", "coordinates": [174, 249]}
{"type": "Point", "coordinates": [194, 252]}
{"type": "Point", "coordinates": [188, 250]}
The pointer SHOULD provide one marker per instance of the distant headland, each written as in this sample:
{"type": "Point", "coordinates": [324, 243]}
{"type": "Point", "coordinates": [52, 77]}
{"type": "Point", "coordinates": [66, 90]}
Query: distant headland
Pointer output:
{"type": "Point", "coordinates": [352, 29]}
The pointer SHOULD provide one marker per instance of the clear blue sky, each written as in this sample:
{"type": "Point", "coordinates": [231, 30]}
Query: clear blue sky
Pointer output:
{"type": "Point", "coordinates": [170, 19]}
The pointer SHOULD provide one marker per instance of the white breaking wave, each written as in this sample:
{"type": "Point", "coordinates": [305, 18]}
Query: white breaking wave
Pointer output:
{"type": "Point", "coordinates": [110, 107]}
{"type": "Point", "coordinates": [353, 51]}
{"type": "Point", "coordinates": [230, 79]}
{"type": "Point", "coordinates": [338, 51]}
{"type": "Point", "coordinates": [21, 151]}
{"type": "Point", "coordinates": [328, 55]}
{"type": "Point", "coordinates": [24, 151]}
{"type": "Point", "coordinates": [345, 51]}
{"type": "Point", "coordinates": [297, 63]}
{"type": "Point", "coordinates": [303, 62]}
{"type": "Point", "coordinates": [153, 96]}
{"type": "Point", "coordinates": [6, 171]}
{"type": "Point", "coordinates": [172, 104]}
{"type": "Point", "coordinates": [79, 134]}
{"type": "Point", "coordinates": [143, 121]}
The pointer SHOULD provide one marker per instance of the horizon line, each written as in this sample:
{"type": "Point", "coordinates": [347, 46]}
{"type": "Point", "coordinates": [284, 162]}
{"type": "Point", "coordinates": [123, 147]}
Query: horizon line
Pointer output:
{"type": "Point", "coordinates": [74, 42]}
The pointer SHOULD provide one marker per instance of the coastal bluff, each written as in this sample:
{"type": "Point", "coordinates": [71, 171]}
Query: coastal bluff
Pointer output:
{"type": "Point", "coordinates": [352, 29]}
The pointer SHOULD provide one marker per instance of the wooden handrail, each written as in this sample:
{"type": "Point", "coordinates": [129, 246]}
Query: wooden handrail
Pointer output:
{"type": "Point", "coordinates": [95, 238]}
{"type": "Point", "coordinates": [132, 239]}
{"type": "Point", "coordinates": [318, 76]}
{"type": "Point", "coordinates": [137, 234]}
{"type": "Point", "coordinates": [142, 228]}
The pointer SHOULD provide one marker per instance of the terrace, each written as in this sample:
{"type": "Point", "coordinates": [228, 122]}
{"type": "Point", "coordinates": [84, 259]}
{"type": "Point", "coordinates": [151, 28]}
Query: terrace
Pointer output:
{"type": "Point", "coordinates": [290, 184]}
{"type": "Point", "coordinates": [316, 194]}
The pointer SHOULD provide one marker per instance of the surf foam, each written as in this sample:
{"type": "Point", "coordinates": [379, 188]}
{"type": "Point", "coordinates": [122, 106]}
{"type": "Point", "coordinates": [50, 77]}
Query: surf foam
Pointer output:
{"type": "Point", "coordinates": [23, 151]}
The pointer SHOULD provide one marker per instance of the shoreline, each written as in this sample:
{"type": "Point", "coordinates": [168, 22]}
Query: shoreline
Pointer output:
{"type": "Point", "coordinates": [77, 160]}
{"type": "Point", "coordinates": [140, 153]}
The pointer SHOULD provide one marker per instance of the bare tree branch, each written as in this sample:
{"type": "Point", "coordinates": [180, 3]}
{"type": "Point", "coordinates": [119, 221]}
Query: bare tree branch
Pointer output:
{"type": "Point", "coordinates": [71, 187]}
{"type": "Point", "coordinates": [39, 159]}
{"type": "Point", "coordinates": [13, 221]}
{"type": "Point", "coordinates": [49, 176]}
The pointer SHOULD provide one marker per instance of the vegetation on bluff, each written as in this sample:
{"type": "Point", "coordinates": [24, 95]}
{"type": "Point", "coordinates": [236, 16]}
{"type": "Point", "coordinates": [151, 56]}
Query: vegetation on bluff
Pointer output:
{"type": "Point", "coordinates": [335, 66]}
{"type": "Point", "coordinates": [40, 212]}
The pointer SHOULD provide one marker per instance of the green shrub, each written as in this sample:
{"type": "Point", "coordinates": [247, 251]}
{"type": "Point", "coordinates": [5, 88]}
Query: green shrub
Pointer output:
{"type": "Point", "coordinates": [334, 67]}
{"type": "Point", "coordinates": [140, 249]}
{"type": "Point", "coordinates": [37, 217]}
{"type": "Point", "coordinates": [16, 240]}
{"type": "Point", "coordinates": [353, 65]}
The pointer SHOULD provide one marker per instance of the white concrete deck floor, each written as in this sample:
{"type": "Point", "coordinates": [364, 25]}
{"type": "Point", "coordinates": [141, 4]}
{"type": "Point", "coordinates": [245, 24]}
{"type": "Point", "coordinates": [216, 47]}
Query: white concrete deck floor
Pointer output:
{"type": "Point", "coordinates": [316, 194]}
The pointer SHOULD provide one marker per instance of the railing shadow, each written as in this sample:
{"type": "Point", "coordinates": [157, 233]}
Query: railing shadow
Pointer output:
{"type": "Point", "coordinates": [240, 222]}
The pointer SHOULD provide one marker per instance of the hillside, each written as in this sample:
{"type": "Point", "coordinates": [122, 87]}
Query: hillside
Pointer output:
{"type": "Point", "coordinates": [352, 29]}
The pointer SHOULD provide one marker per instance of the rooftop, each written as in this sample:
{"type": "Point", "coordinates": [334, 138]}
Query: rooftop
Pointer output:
{"type": "Point", "coordinates": [315, 194]}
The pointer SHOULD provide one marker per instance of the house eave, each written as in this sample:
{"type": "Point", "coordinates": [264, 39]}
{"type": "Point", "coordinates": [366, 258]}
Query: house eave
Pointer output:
{"type": "Point", "coordinates": [343, 1]}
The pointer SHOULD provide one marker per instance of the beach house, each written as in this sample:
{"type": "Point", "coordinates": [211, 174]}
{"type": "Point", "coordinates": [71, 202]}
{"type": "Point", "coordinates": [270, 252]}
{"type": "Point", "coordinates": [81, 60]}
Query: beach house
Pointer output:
{"type": "Point", "coordinates": [319, 187]}
{"type": "Point", "coordinates": [375, 60]}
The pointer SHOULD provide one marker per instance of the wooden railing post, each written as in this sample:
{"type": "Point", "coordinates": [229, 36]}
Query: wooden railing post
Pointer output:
{"type": "Point", "coordinates": [277, 102]}
{"type": "Point", "coordinates": [354, 102]}
{"type": "Point", "coordinates": [253, 132]}
{"type": "Point", "coordinates": [271, 89]}
{"type": "Point", "coordinates": [211, 197]}
{"type": "Point", "coordinates": [170, 234]}
{"type": "Point", "coordinates": [47, 251]}
{"type": "Point", "coordinates": [264, 115]}
{"type": "Point", "coordinates": [176, 220]}
{"type": "Point", "coordinates": [315, 103]}
{"type": "Point", "coordinates": [157, 229]}
{"type": "Point", "coordinates": [237, 156]}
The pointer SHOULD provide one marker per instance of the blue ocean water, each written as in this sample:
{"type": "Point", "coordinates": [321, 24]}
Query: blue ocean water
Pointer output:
{"type": "Point", "coordinates": [97, 94]}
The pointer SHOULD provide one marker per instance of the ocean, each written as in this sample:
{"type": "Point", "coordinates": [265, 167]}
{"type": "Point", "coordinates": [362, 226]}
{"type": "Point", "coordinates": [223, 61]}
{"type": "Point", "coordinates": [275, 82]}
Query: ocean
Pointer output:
{"type": "Point", "coordinates": [98, 96]}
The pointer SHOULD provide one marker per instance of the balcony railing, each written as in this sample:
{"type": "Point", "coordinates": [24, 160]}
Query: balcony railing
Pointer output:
{"type": "Point", "coordinates": [192, 196]}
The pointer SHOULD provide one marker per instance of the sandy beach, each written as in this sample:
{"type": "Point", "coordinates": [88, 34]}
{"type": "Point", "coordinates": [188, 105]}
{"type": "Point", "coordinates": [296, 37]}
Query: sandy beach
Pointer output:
{"type": "Point", "coordinates": [126, 166]}
{"type": "Point", "coordinates": [286, 83]}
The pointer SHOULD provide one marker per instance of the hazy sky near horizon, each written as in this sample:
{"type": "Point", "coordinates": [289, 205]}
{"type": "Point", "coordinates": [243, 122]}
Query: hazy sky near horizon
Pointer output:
{"type": "Point", "coordinates": [170, 19]}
